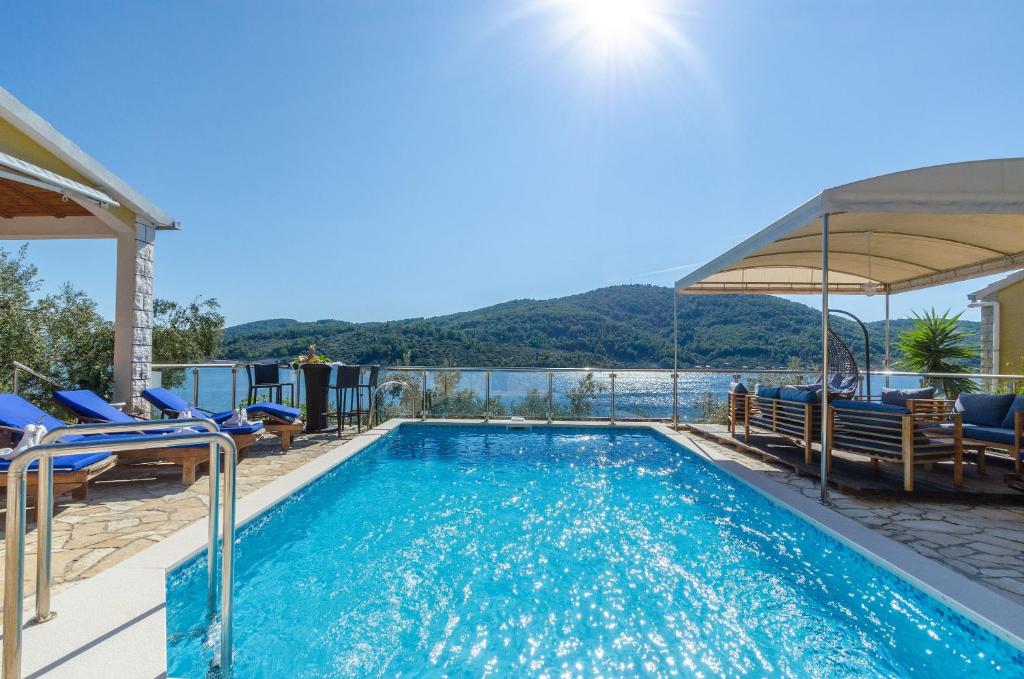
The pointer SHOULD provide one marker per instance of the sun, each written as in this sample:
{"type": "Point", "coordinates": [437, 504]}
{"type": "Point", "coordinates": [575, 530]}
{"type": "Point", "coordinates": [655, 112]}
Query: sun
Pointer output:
{"type": "Point", "coordinates": [610, 31]}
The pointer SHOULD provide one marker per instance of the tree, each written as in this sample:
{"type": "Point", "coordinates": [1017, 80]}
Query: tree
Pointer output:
{"type": "Point", "coordinates": [935, 343]}
{"type": "Point", "coordinates": [582, 396]}
{"type": "Point", "coordinates": [185, 333]}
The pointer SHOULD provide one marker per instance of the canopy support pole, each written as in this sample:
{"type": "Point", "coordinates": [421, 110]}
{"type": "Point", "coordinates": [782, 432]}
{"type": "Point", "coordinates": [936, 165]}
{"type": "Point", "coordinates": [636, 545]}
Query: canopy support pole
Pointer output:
{"type": "Point", "coordinates": [887, 335]}
{"type": "Point", "coordinates": [825, 434]}
{"type": "Point", "coordinates": [675, 358]}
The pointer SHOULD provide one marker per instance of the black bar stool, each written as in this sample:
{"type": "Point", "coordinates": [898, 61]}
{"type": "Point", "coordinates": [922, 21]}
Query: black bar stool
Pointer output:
{"type": "Point", "coordinates": [347, 396]}
{"type": "Point", "coordinates": [267, 375]}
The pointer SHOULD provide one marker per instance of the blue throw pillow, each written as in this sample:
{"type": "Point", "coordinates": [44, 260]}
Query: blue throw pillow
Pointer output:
{"type": "Point", "coordinates": [1018, 404]}
{"type": "Point", "coordinates": [737, 388]}
{"type": "Point", "coordinates": [985, 410]}
{"type": "Point", "coordinates": [899, 397]}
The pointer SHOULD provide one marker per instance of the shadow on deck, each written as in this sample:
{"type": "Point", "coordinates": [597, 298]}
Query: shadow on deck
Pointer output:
{"type": "Point", "coordinates": [853, 474]}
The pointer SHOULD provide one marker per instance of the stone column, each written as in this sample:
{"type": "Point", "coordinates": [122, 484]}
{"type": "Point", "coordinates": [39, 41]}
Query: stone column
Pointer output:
{"type": "Point", "coordinates": [133, 317]}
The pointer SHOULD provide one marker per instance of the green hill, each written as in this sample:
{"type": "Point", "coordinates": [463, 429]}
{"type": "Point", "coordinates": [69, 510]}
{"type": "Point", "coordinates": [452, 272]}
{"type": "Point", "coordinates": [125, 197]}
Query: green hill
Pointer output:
{"type": "Point", "coordinates": [619, 326]}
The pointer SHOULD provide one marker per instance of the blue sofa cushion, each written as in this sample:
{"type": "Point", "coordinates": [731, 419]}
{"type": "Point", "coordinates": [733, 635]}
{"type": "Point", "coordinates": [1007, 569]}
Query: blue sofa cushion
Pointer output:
{"type": "Point", "coordinates": [796, 395]}
{"type": "Point", "coordinates": [985, 410]}
{"type": "Point", "coordinates": [1017, 405]}
{"type": "Point", "coordinates": [762, 391]}
{"type": "Point", "coordinates": [993, 434]}
{"type": "Point", "coordinates": [899, 397]}
{"type": "Point", "coordinates": [869, 407]}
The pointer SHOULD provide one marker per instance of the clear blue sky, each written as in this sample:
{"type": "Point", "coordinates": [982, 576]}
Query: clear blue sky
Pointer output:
{"type": "Point", "coordinates": [372, 160]}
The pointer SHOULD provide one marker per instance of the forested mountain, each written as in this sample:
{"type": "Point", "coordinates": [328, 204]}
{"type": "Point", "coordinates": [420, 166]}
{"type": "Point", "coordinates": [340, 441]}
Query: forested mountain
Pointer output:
{"type": "Point", "coordinates": [619, 326]}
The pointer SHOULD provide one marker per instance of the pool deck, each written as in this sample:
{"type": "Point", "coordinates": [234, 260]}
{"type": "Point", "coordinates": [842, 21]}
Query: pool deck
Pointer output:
{"type": "Point", "coordinates": [140, 521]}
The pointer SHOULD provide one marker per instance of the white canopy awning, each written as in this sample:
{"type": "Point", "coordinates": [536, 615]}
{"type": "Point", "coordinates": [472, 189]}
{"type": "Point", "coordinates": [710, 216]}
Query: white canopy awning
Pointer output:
{"type": "Point", "coordinates": [898, 232]}
{"type": "Point", "coordinates": [28, 173]}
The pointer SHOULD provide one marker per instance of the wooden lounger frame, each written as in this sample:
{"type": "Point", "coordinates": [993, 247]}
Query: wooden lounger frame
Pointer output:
{"type": "Point", "coordinates": [190, 458]}
{"type": "Point", "coordinates": [74, 482]}
{"type": "Point", "coordinates": [874, 435]}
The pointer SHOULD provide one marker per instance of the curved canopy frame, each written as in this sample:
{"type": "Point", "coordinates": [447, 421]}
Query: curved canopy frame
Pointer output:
{"type": "Point", "coordinates": [893, 233]}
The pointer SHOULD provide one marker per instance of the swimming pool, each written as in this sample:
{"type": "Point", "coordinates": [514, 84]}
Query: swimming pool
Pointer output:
{"type": "Point", "coordinates": [557, 551]}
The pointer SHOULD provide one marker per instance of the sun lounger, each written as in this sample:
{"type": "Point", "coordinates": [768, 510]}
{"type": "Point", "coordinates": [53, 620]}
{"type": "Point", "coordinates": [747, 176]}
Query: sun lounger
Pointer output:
{"type": "Point", "coordinates": [277, 419]}
{"type": "Point", "coordinates": [71, 473]}
{"type": "Point", "coordinates": [89, 407]}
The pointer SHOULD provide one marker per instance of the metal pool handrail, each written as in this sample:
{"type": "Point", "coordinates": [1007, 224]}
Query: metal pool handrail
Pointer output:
{"type": "Point", "coordinates": [14, 585]}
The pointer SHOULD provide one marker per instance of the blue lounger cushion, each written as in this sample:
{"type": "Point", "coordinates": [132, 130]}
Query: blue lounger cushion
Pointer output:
{"type": "Point", "coordinates": [250, 428]}
{"type": "Point", "coordinates": [984, 410]}
{"type": "Point", "coordinates": [170, 404]}
{"type": "Point", "coordinates": [64, 463]}
{"type": "Point", "coordinates": [1009, 422]}
{"type": "Point", "coordinates": [17, 413]}
{"type": "Point", "coordinates": [91, 406]}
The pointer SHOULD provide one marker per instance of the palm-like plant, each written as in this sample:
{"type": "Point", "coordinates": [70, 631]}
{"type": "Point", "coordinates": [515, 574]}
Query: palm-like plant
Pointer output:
{"type": "Point", "coordinates": [937, 344]}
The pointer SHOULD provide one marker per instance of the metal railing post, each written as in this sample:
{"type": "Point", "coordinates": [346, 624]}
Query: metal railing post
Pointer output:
{"type": "Point", "coordinates": [44, 527]}
{"type": "Point", "coordinates": [423, 397]}
{"type": "Point", "coordinates": [14, 380]}
{"type": "Point", "coordinates": [675, 400]}
{"type": "Point", "coordinates": [611, 411]}
{"type": "Point", "coordinates": [14, 567]}
{"type": "Point", "coordinates": [234, 387]}
{"type": "Point", "coordinates": [195, 387]}
{"type": "Point", "coordinates": [295, 394]}
{"type": "Point", "coordinates": [551, 392]}
{"type": "Point", "coordinates": [487, 396]}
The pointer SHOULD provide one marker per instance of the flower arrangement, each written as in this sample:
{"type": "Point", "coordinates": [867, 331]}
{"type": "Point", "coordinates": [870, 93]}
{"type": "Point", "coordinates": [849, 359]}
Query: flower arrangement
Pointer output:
{"type": "Point", "coordinates": [311, 356]}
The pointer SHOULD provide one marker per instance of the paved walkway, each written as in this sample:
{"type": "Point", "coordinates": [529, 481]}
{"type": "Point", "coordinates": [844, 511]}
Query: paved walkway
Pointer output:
{"type": "Point", "coordinates": [131, 508]}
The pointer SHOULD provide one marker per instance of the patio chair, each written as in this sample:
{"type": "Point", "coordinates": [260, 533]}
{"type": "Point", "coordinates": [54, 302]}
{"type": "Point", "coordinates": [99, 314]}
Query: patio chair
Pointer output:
{"type": "Point", "coordinates": [844, 375]}
{"type": "Point", "coordinates": [71, 473]}
{"type": "Point", "coordinates": [793, 412]}
{"type": "Point", "coordinates": [281, 420]}
{"type": "Point", "coordinates": [267, 375]}
{"type": "Point", "coordinates": [90, 407]}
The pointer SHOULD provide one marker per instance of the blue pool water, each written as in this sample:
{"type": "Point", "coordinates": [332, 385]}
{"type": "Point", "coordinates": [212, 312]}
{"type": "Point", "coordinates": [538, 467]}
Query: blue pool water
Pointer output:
{"type": "Point", "coordinates": [477, 551]}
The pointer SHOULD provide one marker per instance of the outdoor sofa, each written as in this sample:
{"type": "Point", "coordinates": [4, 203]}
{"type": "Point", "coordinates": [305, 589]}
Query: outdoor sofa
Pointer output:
{"type": "Point", "coordinates": [909, 427]}
{"type": "Point", "coordinates": [793, 412]}
{"type": "Point", "coordinates": [992, 421]}
{"type": "Point", "coordinates": [281, 420]}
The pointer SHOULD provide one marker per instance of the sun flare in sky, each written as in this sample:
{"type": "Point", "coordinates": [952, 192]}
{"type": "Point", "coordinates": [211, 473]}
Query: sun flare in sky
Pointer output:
{"type": "Point", "coordinates": [616, 33]}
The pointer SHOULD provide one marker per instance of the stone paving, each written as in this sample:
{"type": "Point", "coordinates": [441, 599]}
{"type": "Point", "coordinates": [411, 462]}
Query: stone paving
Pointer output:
{"type": "Point", "coordinates": [132, 507]}
{"type": "Point", "coordinates": [983, 542]}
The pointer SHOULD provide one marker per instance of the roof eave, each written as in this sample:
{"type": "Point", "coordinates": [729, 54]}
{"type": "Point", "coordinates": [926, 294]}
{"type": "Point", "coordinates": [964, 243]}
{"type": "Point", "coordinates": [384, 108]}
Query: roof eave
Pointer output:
{"type": "Point", "coordinates": [36, 128]}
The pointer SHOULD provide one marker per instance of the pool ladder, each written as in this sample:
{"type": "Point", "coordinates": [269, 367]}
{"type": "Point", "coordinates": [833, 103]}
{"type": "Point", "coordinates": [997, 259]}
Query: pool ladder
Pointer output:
{"type": "Point", "coordinates": [50, 447]}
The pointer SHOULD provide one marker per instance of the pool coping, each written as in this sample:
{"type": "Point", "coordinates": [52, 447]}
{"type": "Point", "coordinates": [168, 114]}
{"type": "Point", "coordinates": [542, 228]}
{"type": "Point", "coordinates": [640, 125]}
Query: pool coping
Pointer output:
{"type": "Point", "coordinates": [97, 633]}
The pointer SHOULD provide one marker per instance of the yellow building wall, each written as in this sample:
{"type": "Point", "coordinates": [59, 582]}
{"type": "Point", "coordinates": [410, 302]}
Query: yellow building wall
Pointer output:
{"type": "Point", "coordinates": [1011, 328]}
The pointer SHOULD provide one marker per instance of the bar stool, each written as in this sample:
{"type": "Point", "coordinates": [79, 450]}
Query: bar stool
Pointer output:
{"type": "Point", "coordinates": [267, 375]}
{"type": "Point", "coordinates": [347, 393]}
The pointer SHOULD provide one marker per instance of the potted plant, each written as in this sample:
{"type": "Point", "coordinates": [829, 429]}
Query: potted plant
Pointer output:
{"type": "Point", "coordinates": [316, 371]}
